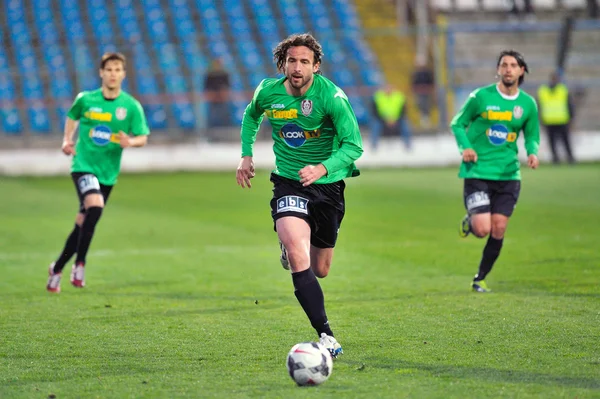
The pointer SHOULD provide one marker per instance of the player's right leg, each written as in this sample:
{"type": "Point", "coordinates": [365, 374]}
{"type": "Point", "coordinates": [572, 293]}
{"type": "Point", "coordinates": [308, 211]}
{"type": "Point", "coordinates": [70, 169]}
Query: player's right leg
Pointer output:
{"type": "Point", "coordinates": [56, 267]}
{"type": "Point", "coordinates": [477, 203]}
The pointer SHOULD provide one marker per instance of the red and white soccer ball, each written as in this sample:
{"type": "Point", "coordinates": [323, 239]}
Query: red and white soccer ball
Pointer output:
{"type": "Point", "coordinates": [309, 363]}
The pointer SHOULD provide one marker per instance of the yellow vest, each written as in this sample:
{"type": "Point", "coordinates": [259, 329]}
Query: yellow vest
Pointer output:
{"type": "Point", "coordinates": [389, 106]}
{"type": "Point", "coordinates": [554, 104]}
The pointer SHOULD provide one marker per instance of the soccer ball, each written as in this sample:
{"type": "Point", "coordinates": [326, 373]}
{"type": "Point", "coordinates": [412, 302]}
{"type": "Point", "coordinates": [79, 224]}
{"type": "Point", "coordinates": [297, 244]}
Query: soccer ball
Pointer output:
{"type": "Point", "coordinates": [309, 363]}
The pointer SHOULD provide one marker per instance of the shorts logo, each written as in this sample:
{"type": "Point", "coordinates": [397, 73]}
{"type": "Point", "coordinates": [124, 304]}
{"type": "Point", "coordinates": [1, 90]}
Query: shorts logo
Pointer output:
{"type": "Point", "coordinates": [101, 135]}
{"type": "Point", "coordinates": [477, 199]}
{"type": "Point", "coordinates": [121, 113]}
{"type": "Point", "coordinates": [294, 136]}
{"type": "Point", "coordinates": [306, 106]}
{"type": "Point", "coordinates": [517, 112]}
{"type": "Point", "coordinates": [87, 183]}
{"type": "Point", "coordinates": [292, 203]}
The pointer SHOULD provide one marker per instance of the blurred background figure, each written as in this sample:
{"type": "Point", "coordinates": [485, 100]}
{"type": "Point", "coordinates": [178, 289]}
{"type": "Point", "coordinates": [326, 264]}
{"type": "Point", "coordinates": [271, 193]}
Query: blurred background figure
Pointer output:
{"type": "Point", "coordinates": [556, 113]}
{"type": "Point", "coordinates": [423, 87]}
{"type": "Point", "coordinates": [217, 93]}
{"type": "Point", "coordinates": [527, 10]}
{"type": "Point", "coordinates": [389, 116]}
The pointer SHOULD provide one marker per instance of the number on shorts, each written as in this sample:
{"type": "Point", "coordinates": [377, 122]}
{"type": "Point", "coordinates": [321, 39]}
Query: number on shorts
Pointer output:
{"type": "Point", "coordinates": [87, 183]}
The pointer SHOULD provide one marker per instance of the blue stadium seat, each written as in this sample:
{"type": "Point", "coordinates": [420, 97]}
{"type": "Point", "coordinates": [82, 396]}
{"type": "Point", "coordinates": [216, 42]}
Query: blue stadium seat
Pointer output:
{"type": "Point", "coordinates": [293, 22]}
{"type": "Point", "coordinates": [32, 92]}
{"type": "Point", "coordinates": [100, 23]}
{"type": "Point", "coordinates": [267, 23]}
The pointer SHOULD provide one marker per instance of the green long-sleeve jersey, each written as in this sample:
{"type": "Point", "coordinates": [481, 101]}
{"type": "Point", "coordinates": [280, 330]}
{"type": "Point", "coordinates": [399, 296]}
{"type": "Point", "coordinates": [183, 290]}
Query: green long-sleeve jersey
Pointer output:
{"type": "Point", "coordinates": [318, 127]}
{"type": "Point", "coordinates": [489, 123]}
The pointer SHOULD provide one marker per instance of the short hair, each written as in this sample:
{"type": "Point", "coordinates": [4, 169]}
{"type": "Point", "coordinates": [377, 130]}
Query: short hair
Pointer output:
{"type": "Point", "coordinates": [295, 40]}
{"type": "Point", "coordinates": [520, 60]}
{"type": "Point", "coordinates": [112, 57]}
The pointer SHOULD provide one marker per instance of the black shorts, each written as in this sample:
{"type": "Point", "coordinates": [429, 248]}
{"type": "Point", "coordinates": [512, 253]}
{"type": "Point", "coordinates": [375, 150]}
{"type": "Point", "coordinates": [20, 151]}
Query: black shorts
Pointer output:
{"type": "Point", "coordinates": [321, 205]}
{"type": "Point", "coordinates": [87, 183]}
{"type": "Point", "coordinates": [493, 196]}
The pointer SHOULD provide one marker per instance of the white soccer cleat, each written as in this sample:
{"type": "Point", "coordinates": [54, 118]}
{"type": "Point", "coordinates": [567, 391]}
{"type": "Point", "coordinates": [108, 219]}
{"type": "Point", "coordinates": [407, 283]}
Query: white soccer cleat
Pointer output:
{"type": "Point", "coordinates": [53, 280]}
{"type": "Point", "coordinates": [283, 258]}
{"type": "Point", "coordinates": [78, 276]}
{"type": "Point", "coordinates": [331, 344]}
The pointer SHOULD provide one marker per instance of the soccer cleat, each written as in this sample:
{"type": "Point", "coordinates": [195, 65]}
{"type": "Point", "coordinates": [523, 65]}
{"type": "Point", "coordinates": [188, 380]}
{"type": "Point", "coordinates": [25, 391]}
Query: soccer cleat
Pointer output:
{"type": "Point", "coordinates": [78, 275]}
{"type": "Point", "coordinates": [480, 286]}
{"type": "Point", "coordinates": [331, 344]}
{"type": "Point", "coordinates": [283, 258]}
{"type": "Point", "coordinates": [53, 280]}
{"type": "Point", "coordinates": [465, 226]}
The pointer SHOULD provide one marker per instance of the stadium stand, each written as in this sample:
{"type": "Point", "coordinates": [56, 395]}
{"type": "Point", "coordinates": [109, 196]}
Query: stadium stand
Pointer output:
{"type": "Point", "coordinates": [49, 51]}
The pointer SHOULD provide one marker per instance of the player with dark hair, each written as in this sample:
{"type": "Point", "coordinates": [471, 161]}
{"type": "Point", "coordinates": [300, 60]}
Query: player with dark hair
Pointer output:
{"type": "Point", "coordinates": [105, 117]}
{"type": "Point", "coordinates": [486, 130]}
{"type": "Point", "coordinates": [316, 141]}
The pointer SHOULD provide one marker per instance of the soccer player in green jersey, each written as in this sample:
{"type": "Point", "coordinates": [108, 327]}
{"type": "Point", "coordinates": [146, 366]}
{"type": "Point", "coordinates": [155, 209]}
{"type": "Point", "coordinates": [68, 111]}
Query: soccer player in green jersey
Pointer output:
{"type": "Point", "coordinates": [486, 130]}
{"type": "Point", "coordinates": [109, 120]}
{"type": "Point", "coordinates": [316, 141]}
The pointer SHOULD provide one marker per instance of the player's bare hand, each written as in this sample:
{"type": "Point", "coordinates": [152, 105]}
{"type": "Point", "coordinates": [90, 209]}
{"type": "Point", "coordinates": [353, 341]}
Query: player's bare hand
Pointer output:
{"type": "Point", "coordinates": [124, 140]}
{"type": "Point", "coordinates": [245, 172]}
{"type": "Point", "coordinates": [533, 162]}
{"type": "Point", "coordinates": [469, 155]}
{"type": "Point", "coordinates": [311, 173]}
{"type": "Point", "coordinates": [68, 147]}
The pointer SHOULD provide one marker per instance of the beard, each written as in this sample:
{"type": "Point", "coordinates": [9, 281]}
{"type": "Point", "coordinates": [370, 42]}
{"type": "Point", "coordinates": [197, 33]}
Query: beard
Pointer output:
{"type": "Point", "coordinates": [298, 83]}
{"type": "Point", "coordinates": [510, 83]}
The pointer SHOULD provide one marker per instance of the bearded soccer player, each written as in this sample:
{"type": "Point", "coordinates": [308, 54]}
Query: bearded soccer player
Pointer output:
{"type": "Point", "coordinates": [316, 141]}
{"type": "Point", "coordinates": [486, 130]}
{"type": "Point", "coordinates": [109, 120]}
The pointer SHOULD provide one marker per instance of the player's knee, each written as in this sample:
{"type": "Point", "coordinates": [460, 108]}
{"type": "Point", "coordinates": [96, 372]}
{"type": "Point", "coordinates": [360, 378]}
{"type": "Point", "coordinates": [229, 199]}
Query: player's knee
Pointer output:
{"type": "Point", "coordinates": [481, 230]}
{"type": "Point", "coordinates": [498, 230]}
{"type": "Point", "coordinates": [322, 268]}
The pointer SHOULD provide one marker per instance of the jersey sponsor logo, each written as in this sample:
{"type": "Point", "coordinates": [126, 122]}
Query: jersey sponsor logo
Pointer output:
{"type": "Point", "coordinates": [306, 106]}
{"type": "Point", "coordinates": [499, 134]}
{"type": "Point", "coordinates": [292, 203]}
{"type": "Point", "coordinates": [497, 115]}
{"type": "Point", "coordinates": [282, 114]}
{"type": "Point", "coordinates": [98, 115]}
{"type": "Point", "coordinates": [477, 199]}
{"type": "Point", "coordinates": [277, 106]}
{"type": "Point", "coordinates": [102, 135]}
{"type": "Point", "coordinates": [517, 112]}
{"type": "Point", "coordinates": [121, 113]}
{"type": "Point", "coordinates": [294, 136]}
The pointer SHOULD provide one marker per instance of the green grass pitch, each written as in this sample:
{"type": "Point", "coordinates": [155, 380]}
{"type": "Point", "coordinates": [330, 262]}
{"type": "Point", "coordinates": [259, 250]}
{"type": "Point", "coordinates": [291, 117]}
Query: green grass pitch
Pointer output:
{"type": "Point", "coordinates": [185, 296]}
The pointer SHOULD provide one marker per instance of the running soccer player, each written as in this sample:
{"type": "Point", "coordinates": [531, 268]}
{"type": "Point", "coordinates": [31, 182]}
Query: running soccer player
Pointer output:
{"type": "Point", "coordinates": [106, 118]}
{"type": "Point", "coordinates": [486, 130]}
{"type": "Point", "coordinates": [316, 141]}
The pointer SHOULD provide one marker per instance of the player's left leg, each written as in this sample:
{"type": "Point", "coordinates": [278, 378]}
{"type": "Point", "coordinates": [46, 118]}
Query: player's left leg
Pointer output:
{"type": "Point", "coordinates": [320, 260]}
{"type": "Point", "coordinates": [94, 206]}
{"type": "Point", "coordinates": [505, 196]}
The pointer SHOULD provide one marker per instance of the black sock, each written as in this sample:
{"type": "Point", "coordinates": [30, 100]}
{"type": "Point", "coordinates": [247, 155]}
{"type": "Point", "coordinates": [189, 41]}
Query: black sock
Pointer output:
{"type": "Point", "coordinates": [68, 251]}
{"type": "Point", "coordinates": [92, 215]}
{"type": "Point", "coordinates": [490, 254]}
{"type": "Point", "coordinates": [310, 295]}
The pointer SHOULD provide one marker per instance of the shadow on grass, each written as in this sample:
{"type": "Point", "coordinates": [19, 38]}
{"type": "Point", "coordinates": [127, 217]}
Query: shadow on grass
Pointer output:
{"type": "Point", "coordinates": [483, 374]}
